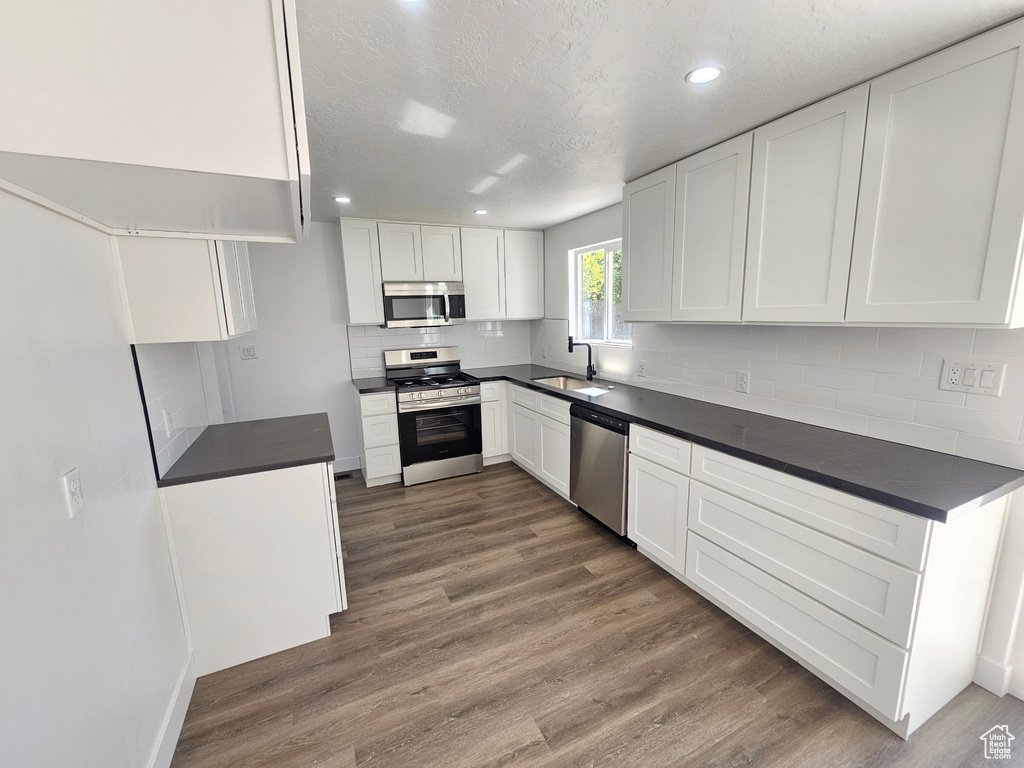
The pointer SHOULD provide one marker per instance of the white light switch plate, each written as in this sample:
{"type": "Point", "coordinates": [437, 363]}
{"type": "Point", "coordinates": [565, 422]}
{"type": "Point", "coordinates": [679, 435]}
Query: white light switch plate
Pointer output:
{"type": "Point", "coordinates": [973, 376]}
{"type": "Point", "coordinates": [248, 352]}
{"type": "Point", "coordinates": [73, 493]}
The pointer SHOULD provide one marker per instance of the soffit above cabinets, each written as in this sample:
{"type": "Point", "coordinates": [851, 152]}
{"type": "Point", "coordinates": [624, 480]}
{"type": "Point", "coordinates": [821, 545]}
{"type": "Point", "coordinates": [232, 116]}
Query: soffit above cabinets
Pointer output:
{"type": "Point", "coordinates": [538, 111]}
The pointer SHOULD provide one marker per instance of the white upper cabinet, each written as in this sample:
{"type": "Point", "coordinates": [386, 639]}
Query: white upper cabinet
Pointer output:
{"type": "Point", "coordinates": [167, 118]}
{"type": "Point", "coordinates": [803, 204]}
{"type": "Point", "coordinates": [401, 257]}
{"type": "Point", "coordinates": [177, 290]}
{"type": "Point", "coordinates": [712, 189]}
{"type": "Point", "coordinates": [360, 252]}
{"type": "Point", "coordinates": [442, 254]}
{"type": "Point", "coordinates": [942, 190]}
{"type": "Point", "coordinates": [648, 206]}
{"type": "Point", "coordinates": [483, 272]}
{"type": "Point", "coordinates": [412, 253]}
{"type": "Point", "coordinates": [524, 275]}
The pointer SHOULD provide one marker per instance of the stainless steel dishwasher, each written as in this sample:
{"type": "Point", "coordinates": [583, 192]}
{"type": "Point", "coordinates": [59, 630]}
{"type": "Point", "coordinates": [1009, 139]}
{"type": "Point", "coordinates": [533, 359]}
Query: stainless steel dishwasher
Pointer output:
{"type": "Point", "coordinates": [597, 465]}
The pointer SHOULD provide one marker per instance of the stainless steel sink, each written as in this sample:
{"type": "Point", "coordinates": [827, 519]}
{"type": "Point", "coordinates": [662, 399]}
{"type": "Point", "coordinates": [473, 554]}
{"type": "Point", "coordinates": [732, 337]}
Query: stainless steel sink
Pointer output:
{"type": "Point", "coordinates": [570, 384]}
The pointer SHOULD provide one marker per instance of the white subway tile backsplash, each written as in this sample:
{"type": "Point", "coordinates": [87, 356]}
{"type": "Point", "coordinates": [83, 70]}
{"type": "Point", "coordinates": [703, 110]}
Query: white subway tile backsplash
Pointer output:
{"type": "Point", "coordinates": [933, 439]}
{"type": "Point", "coordinates": [1001, 426]}
{"type": "Point", "coordinates": [172, 381]}
{"type": "Point", "coordinates": [802, 393]}
{"type": "Point", "coordinates": [1007, 453]}
{"type": "Point", "coordinates": [777, 371]}
{"type": "Point", "coordinates": [825, 357]}
{"type": "Point", "coordinates": [876, 405]}
{"type": "Point", "coordinates": [881, 360]}
{"type": "Point", "coordinates": [833, 419]}
{"type": "Point", "coordinates": [856, 379]}
{"type": "Point", "coordinates": [839, 378]}
{"type": "Point", "coordinates": [915, 388]}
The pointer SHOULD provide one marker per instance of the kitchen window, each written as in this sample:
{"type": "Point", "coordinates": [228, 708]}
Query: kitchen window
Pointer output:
{"type": "Point", "coordinates": [598, 294]}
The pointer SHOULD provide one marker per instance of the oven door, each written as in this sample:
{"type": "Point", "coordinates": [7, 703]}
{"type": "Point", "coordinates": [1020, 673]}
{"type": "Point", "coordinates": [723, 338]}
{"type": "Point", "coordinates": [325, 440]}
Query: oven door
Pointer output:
{"type": "Point", "coordinates": [439, 433]}
{"type": "Point", "coordinates": [416, 311]}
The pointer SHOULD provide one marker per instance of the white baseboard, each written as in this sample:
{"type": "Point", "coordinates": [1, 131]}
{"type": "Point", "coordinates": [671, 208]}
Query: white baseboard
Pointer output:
{"type": "Point", "coordinates": [170, 729]}
{"type": "Point", "coordinates": [497, 459]}
{"type": "Point", "coordinates": [993, 676]}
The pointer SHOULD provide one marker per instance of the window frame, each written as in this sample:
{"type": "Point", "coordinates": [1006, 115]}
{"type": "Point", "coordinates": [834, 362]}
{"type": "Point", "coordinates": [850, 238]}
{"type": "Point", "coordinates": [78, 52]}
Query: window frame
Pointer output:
{"type": "Point", "coordinates": [575, 257]}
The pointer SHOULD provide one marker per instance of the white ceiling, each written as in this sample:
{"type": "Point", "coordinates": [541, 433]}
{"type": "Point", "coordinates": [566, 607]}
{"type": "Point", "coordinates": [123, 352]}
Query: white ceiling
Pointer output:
{"type": "Point", "coordinates": [411, 106]}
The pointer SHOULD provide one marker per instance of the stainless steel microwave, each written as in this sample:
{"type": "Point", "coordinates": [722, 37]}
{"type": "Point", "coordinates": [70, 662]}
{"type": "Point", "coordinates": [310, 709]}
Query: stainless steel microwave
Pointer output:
{"type": "Point", "coordinates": [418, 305]}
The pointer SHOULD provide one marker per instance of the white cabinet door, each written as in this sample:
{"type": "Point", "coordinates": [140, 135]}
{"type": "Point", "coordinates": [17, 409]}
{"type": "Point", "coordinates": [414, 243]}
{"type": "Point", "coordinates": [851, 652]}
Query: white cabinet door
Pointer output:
{"type": "Point", "coordinates": [553, 454]}
{"type": "Point", "coordinates": [231, 278]}
{"type": "Point", "coordinates": [483, 272]}
{"type": "Point", "coordinates": [712, 190]}
{"type": "Point", "coordinates": [656, 512]}
{"type": "Point", "coordinates": [648, 209]}
{"type": "Point", "coordinates": [360, 251]}
{"type": "Point", "coordinates": [803, 203]}
{"type": "Point", "coordinates": [524, 275]}
{"type": "Point", "coordinates": [401, 257]}
{"type": "Point", "coordinates": [492, 422]}
{"type": "Point", "coordinates": [442, 254]}
{"type": "Point", "coordinates": [245, 283]}
{"type": "Point", "coordinates": [525, 438]}
{"type": "Point", "coordinates": [939, 219]}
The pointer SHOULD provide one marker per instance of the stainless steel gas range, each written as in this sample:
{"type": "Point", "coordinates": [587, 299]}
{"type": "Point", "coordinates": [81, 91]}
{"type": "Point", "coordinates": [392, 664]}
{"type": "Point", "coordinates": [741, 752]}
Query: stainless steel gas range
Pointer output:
{"type": "Point", "coordinates": [438, 414]}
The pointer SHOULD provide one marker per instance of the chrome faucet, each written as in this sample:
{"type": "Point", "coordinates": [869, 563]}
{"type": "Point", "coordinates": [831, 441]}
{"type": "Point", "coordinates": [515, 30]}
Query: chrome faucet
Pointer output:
{"type": "Point", "coordinates": [591, 370]}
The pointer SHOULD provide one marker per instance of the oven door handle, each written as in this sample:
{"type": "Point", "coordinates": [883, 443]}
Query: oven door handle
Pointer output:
{"type": "Point", "coordinates": [434, 405]}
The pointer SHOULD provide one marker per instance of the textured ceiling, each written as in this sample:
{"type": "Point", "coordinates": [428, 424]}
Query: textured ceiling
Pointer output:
{"type": "Point", "coordinates": [538, 110]}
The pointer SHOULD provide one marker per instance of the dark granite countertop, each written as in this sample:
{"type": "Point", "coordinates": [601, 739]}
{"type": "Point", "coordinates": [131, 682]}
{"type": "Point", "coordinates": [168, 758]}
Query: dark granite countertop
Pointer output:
{"type": "Point", "coordinates": [925, 483]}
{"type": "Point", "coordinates": [373, 384]}
{"type": "Point", "coordinates": [225, 450]}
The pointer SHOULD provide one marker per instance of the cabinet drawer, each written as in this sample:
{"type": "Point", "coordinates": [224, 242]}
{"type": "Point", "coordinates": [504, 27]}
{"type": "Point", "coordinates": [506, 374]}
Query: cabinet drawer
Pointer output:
{"type": "Point", "coordinates": [490, 390]}
{"type": "Point", "coordinates": [837, 649]}
{"type": "Point", "coordinates": [379, 431]}
{"type": "Point", "coordinates": [895, 535]}
{"type": "Point", "coordinates": [874, 592]}
{"type": "Point", "coordinates": [377, 405]}
{"type": "Point", "coordinates": [553, 408]}
{"type": "Point", "coordinates": [525, 397]}
{"type": "Point", "coordinates": [664, 450]}
{"type": "Point", "coordinates": [381, 462]}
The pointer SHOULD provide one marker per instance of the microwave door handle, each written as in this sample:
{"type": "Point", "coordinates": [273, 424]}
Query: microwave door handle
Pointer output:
{"type": "Point", "coordinates": [447, 309]}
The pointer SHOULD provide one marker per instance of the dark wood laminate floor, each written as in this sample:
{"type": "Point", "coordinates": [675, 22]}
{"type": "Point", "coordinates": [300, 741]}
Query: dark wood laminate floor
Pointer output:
{"type": "Point", "coordinates": [490, 624]}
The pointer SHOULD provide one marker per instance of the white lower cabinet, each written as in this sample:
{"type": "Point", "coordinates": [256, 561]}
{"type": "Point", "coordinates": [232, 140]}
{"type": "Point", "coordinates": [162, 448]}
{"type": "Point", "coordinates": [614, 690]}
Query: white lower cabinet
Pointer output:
{"type": "Point", "coordinates": [378, 429]}
{"type": "Point", "coordinates": [885, 606]}
{"type": "Point", "coordinates": [656, 514]}
{"type": "Point", "coordinates": [553, 454]}
{"type": "Point", "coordinates": [539, 437]}
{"type": "Point", "coordinates": [257, 561]}
{"type": "Point", "coordinates": [494, 421]}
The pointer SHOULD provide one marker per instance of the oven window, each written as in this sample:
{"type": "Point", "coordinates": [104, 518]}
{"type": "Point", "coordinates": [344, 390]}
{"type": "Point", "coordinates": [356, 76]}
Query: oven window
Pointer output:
{"type": "Point", "coordinates": [442, 433]}
{"type": "Point", "coordinates": [414, 307]}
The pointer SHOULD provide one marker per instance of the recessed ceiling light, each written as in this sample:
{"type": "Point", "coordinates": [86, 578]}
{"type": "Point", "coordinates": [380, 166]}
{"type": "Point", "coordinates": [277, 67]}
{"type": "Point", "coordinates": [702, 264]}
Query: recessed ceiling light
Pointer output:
{"type": "Point", "coordinates": [342, 200]}
{"type": "Point", "coordinates": [703, 75]}
{"type": "Point", "coordinates": [480, 212]}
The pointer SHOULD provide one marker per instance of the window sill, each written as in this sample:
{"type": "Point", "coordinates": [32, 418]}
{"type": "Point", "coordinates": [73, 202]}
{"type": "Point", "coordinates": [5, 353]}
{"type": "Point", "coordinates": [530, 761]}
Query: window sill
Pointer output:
{"type": "Point", "coordinates": [606, 343]}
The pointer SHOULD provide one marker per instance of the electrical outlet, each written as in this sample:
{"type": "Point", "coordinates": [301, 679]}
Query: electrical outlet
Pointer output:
{"type": "Point", "coordinates": [641, 368]}
{"type": "Point", "coordinates": [973, 376]}
{"type": "Point", "coordinates": [742, 381]}
{"type": "Point", "coordinates": [73, 495]}
{"type": "Point", "coordinates": [544, 352]}
{"type": "Point", "coordinates": [248, 352]}
{"type": "Point", "coordinates": [168, 424]}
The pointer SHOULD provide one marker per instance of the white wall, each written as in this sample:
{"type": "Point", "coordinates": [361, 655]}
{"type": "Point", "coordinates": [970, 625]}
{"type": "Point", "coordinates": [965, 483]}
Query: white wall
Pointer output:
{"type": "Point", "coordinates": [303, 364]}
{"type": "Point", "coordinates": [92, 642]}
{"type": "Point", "coordinates": [172, 381]}
{"type": "Point", "coordinates": [481, 345]}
